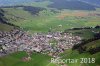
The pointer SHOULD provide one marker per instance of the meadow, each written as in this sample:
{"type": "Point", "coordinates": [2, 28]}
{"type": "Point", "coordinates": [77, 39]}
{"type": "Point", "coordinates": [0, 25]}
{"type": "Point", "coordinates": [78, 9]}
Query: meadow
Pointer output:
{"type": "Point", "coordinates": [47, 19]}
{"type": "Point", "coordinates": [15, 59]}
{"type": "Point", "coordinates": [4, 27]}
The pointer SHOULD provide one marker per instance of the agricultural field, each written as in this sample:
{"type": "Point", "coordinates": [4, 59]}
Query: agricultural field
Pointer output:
{"type": "Point", "coordinates": [47, 19]}
{"type": "Point", "coordinates": [42, 18]}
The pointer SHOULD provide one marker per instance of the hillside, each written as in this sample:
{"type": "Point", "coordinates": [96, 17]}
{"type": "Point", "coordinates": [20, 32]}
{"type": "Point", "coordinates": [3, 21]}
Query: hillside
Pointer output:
{"type": "Point", "coordinates": [93, 2]}
{"type": "Point", "coordinates": [59, 4]}
{"type": "Point", "coordinates": [86, 33]}
{"type": "Point", "coordinates": [15, 59]}
{"type": "Point", "coordinates": [75, 54]}
{"type": "Point", "coordinates": [41, 16]}
{"type": "Point", "coordinates": [72, 5]}
{"type": "Point", "coordinates": [16, 2]}
{"type": "Point", "coordinates": [4, 25]}
{"type": "Point", "coordinates": [2, 18]}
{"type": "Point", "coordinates": [42, 19]}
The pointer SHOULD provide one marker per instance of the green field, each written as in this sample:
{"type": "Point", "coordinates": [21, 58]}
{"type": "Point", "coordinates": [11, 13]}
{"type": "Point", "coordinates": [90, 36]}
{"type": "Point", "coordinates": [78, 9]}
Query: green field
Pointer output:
{"type": "Point", "coordinates": [84, 33]}
{"type": "Point", "coordinates": [4, 27]}
{"type": "Point", "coordinates": [47, 19]}
{"type": "Point", "coordinates": [15, 59]}
{"type": "Point", "coordinates": [75, 55]}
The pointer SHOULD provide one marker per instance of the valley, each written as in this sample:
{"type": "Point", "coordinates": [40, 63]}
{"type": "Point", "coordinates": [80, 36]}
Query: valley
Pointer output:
{"type": "Point", "coordinates": [34, 31]}
{"type": "Point", "coordinates": [42, 19]}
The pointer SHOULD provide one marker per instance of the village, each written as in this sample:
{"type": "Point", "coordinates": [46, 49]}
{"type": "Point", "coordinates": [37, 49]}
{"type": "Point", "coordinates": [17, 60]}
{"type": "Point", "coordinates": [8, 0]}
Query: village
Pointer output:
{"type": "Point", "coordinates": [51, 43]}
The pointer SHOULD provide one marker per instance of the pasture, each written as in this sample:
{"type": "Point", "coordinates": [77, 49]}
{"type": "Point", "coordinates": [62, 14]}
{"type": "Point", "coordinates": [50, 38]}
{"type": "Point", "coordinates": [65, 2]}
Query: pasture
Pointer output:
{"type": "Point", "coordinates": [47, 19]}
{"type": "Point", "coordinates": [15, 59]}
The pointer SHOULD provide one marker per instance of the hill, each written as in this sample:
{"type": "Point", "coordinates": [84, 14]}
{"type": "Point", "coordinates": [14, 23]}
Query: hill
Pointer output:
{"type": "Point", "coordinates": [76, 54]}
{"type": "Point", "coordinates": [93, 2]}
{"type": "Point", "coordinates": [15, 59]}
{"type": "Point", "coordinates": [4, 24]}
{"type": "Point", "coordinates": [16, 2]}
{"type": "Point", "coordinates": [86, 33]}
{"type": "Point", "coordinates": [41, 19]}
{"type": "Point", "coordinates": [62, 4]}
{"type": "Point", "coordinates": [2, 18]}
{"type": "Point", "coordinates": [5, 27]}
{"type": "Point", "coordinates": [72, 5]}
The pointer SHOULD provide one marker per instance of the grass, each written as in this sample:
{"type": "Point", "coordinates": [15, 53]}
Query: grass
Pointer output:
{"type": "Point", "coordinates": [84, 33]}
{"type": "Point", "coordinates": [47, 19]}
{"type": "Point", "coordinates": [93, 44]}
{"type": "Point", "coordinates": [44, 60]}
{"type": "Point", "coordinates": [4, 27]}
{"type": "Point", "coordinates": [15, 60]}
{"type": "Point", "coordinates": [75, 55]}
